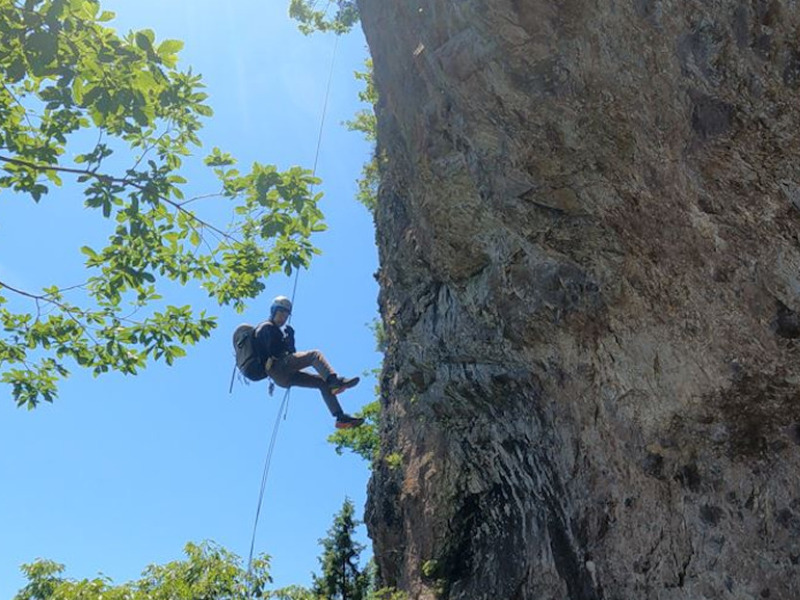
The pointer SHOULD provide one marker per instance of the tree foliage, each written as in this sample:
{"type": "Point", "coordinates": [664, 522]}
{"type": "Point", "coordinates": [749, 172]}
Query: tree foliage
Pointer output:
{"type": "Point", "coordinates": [208, 572]}
{"type": "Point", "coordinates": [362, 440]}
{"type": "Point", "coordinates": [311, 18]}
{"type": "Point", "coordinates": [117, 117]}
{"type": "Point", "coordinates": [365, 121]}
{"type": "Point", "coordinates": [341, 577]}
{"type": "Point", "coordinates": [293, 592]}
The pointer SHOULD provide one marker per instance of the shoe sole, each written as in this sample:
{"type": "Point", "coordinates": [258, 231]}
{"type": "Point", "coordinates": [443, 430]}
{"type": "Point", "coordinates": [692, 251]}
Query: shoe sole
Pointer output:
{"type": "Point", "coordinates": [339, 389]}
{"type": "Point", "coordinates": [349, 425]}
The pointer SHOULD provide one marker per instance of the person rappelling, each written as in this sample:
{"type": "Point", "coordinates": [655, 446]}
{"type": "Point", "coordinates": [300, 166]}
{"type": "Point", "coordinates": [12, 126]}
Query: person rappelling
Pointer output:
{"type": "Point", "coordinates": [268, 350]}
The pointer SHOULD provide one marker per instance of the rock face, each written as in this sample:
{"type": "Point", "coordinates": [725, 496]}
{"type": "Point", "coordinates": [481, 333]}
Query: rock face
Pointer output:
{"type": "Point", "coordinates": [589, 231]}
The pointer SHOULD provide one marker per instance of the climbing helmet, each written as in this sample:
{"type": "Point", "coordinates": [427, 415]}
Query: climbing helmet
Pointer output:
{"type": "Point", "coordinates": [280, 303]}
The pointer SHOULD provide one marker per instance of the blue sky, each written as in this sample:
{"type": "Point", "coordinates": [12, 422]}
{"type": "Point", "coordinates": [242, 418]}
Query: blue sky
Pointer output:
{"type": "Point", "coordinates": [120, 472]}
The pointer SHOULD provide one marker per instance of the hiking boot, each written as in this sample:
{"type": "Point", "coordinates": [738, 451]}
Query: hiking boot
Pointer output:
{"type": "Point", "coordinates": [339, 384]}
{"type": "Point", "coordinates": [345, 421]}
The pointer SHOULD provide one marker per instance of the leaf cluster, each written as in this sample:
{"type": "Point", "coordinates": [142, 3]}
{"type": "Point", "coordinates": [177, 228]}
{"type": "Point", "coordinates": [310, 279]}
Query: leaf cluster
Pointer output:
{"type": "Point", "coordinates": [208, 572]}
{"type": "Point", "coordinates": [311, 19]}
{"type": "Point", "coordinates": [366, 122]}
{"type": "Point", "coordinates": [363, 441]}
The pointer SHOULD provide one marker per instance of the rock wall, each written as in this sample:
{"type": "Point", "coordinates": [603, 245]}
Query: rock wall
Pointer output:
{"type": "Point", "coordinates": [589, 232]}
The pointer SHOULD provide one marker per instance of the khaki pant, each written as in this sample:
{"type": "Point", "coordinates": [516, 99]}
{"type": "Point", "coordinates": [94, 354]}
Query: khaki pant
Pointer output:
{"type": "Point", "coordinates": [286, 371]}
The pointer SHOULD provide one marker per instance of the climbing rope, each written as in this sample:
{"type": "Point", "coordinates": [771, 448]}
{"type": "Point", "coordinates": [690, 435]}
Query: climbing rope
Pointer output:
{"type": "Point", "coordinates": [325, 105]}
{"type": "Point", "coordinates": [284, 407]}
{"type": "Point", "coordinates": [267, 462]}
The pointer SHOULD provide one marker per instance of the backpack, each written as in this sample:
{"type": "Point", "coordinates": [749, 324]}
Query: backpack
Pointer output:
{"type": "Point", "coordinates": [248, 359]}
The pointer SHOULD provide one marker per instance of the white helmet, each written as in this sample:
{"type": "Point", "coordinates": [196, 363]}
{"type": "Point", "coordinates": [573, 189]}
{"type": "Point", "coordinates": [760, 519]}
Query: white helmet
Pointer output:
{"type": "Point", "coordinates": [280, 303]}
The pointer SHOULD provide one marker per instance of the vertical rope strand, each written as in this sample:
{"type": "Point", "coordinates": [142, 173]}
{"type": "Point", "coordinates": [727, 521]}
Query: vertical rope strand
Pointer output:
{"type": "Point", "coordinates": [265, 475]}
{"type": "Point", "coordinates": [284, 407]}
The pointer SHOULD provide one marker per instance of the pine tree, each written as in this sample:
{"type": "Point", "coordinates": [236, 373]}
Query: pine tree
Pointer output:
{"type": "Point", "coordinates": [341, 577]}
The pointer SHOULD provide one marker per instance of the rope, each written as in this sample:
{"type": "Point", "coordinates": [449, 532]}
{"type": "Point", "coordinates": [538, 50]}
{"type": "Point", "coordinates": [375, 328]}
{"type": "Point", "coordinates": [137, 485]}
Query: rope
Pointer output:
{"type": "Point", "coordinates": [325, 105]}
{"type": "Point", "coordinates": [294, 292]}
{"type": "Point", "coordinates": [264, 476]}
{"type": "Point", "coordinates": [284, 407]}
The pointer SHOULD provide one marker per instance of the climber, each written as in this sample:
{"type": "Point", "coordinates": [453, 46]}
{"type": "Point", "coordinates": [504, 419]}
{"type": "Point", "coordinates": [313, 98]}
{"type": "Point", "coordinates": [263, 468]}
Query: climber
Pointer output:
{"type": "Point", "coordinates": [276, 346]}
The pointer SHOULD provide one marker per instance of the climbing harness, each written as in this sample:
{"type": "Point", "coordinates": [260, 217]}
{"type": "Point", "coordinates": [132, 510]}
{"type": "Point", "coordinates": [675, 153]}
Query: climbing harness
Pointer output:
{"type": "Point", "coordinates": [284, 407]}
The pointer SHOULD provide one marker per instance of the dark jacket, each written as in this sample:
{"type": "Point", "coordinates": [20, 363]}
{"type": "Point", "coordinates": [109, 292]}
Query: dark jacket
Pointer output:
{"type": "Point", "coordinates": [272, 342]}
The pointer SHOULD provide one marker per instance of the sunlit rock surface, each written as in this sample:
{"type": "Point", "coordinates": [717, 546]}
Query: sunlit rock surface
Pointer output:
{"type": "Point", "coordinates": [589, 232]}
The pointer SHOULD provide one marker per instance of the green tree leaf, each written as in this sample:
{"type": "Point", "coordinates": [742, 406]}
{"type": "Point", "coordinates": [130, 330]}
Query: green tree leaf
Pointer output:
{"type": "Point", "coordinates": [145, 39]}
{"type": "Point", "coordinates": [169, 47]}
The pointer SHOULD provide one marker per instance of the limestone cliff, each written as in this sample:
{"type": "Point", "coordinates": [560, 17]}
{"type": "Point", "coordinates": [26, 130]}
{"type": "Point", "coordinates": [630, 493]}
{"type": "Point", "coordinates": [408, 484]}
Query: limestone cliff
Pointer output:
{"type": "Point", "coordinates": [589, 234]}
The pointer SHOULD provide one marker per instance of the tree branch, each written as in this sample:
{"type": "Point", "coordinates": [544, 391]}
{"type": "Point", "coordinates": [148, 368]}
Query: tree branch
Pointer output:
{"type": "Point", "coordinates": [150, 147]}
{"type": "Point", "coordinates": [21, 292]}
{"type": "Point", "coordinates": [124, 181]}
{"type": "Point", "coordinates": [24, 110]}
{"type": "Point", "coordinates": [202, 197]}
{"type": "Point", "coordinates": [48, 298]}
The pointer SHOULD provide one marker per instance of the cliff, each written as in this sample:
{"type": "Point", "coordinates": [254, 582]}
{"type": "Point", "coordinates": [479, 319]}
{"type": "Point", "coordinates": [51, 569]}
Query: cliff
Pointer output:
{"type": "Point", "coordinates": [589, 233]}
